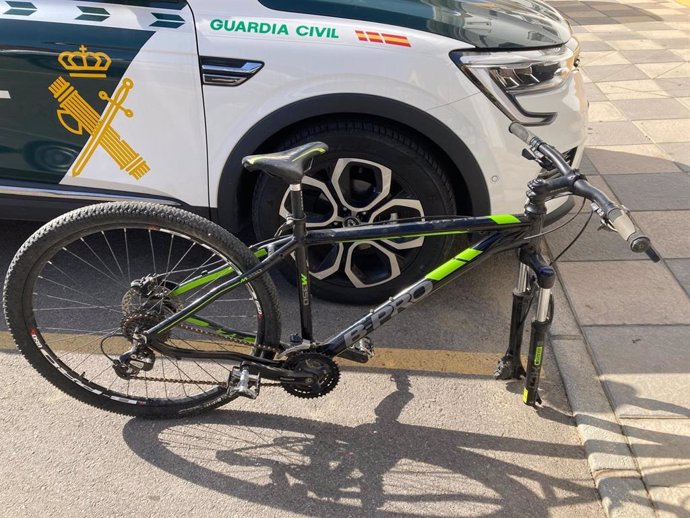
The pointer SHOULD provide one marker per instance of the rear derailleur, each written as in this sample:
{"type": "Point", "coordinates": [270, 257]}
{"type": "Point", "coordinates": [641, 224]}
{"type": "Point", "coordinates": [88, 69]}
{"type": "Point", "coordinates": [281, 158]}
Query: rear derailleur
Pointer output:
{"type": "Point", "coordinates": [138, 358]}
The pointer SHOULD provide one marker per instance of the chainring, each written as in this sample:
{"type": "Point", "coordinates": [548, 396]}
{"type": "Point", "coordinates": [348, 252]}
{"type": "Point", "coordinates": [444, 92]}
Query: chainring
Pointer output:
{"type": "Point", "coordinates": [326, 374]}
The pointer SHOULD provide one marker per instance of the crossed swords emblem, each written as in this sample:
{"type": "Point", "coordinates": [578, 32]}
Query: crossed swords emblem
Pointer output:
{"type": "Point", "coordinates": [73, 108]}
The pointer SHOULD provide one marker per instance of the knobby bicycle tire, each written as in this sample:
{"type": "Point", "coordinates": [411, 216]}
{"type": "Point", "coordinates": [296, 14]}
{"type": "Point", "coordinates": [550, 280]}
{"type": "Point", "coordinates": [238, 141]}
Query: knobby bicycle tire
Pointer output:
{"type": "Point", "coordinates": [70, 305]}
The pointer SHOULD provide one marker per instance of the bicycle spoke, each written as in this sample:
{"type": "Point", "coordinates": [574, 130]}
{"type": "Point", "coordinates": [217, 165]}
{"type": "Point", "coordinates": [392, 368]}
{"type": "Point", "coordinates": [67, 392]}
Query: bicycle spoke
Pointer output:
{"type": "Point", "coordinates": [89, 265]}
{"type": "Point", "coordinates": [100, 260]}
{"type": "Point", "coordinates": [86, 309]}
{"type": "Point", "coordinates": [71, 289]}
{"type": "Point", "coordinates": [112, 252]}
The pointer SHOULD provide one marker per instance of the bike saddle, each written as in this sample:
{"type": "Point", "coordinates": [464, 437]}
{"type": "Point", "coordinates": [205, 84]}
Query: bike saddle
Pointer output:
{"type": "Point", "coordinates": [288, 165]}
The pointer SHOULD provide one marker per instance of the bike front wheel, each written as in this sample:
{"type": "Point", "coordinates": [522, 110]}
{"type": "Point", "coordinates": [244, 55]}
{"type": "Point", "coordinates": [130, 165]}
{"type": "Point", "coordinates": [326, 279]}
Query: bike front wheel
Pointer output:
{"type": "Point", "coordinates": [73, 301]}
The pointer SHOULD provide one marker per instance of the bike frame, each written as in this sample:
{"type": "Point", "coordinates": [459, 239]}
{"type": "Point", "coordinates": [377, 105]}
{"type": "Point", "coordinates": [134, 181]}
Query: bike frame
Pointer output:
{"type": "Point", "coordinates": [503, 232]}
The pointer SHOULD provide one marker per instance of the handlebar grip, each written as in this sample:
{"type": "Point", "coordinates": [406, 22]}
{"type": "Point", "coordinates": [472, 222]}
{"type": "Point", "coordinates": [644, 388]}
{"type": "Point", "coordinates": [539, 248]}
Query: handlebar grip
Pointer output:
{"type": "Point", "coordinates": [651, 253]}
{"type": "Point", "coordinates": [637, 241]}
{"type": "Point", "coordinates": [521, 132]}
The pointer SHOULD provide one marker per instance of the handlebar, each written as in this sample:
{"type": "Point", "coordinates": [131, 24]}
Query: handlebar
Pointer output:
{"type": "Point", "coordinates": [574, 182]}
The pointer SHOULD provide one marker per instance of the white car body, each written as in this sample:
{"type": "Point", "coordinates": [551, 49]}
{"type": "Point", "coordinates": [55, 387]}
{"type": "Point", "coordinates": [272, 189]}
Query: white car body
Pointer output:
{"type": "Point", "coordinates": [192, 135]}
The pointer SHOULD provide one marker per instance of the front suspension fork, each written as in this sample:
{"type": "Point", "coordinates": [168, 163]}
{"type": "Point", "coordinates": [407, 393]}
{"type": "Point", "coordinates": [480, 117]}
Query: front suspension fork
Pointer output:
{"type": "Point", "coordinates": [510, 365]}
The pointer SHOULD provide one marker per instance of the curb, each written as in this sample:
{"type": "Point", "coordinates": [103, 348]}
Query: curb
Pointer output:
{"type": "Point", "coordinates": [613, 466]}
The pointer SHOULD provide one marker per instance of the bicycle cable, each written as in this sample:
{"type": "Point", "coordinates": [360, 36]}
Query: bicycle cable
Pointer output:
{"type": "Point", "coordinates": [579, 211]}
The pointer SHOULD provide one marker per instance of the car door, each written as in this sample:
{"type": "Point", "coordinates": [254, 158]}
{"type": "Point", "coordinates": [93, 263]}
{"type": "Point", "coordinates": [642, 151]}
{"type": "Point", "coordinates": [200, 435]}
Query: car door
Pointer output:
{"type": "Point", "coordinates": [101, 97]}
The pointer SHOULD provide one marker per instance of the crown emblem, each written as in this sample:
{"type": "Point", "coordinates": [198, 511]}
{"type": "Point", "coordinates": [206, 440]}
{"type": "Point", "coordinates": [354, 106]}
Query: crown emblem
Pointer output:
{"type": "Point", "coordinates": [85, 64]}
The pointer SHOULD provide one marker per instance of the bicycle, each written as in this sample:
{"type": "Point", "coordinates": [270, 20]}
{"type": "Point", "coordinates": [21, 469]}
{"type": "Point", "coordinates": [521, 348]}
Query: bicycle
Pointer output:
{"type": "Point", "coordinates": [164, 310]}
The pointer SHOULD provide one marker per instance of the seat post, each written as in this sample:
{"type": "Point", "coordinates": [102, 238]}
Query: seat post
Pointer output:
{"type": "Point", "coordinates": [303, 287]}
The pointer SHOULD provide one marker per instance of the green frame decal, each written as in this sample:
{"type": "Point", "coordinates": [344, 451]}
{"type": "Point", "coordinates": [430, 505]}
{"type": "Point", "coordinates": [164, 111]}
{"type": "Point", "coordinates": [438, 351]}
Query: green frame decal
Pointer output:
{"type": "Point", "coordinates": [209, 277]}
{"type": "Point", "coordinates": [457, 262]}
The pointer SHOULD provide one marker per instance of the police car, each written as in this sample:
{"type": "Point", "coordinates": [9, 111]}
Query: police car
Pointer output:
{"type": "Point", "coordinates": [160, 100]}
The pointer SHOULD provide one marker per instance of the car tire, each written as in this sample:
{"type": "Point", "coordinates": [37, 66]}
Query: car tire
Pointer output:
{"type": "Point", "coordinates": [371, 172]}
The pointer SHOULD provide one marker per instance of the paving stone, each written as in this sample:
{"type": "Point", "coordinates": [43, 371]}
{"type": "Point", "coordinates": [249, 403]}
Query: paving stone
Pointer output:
{"type": "Point", "coordinates": [654, 70]}
{"type": "Point", "coordinates": [605, 58]}
{"type": "Point", "coordinates": [624, 292]}
{"type": "Point", "coordinates": [662, 449]}
{"type": "Point", "coordinates": [684, 26]}
{"type": "Point", "coordinates": [590, 22]}
{"type": "Point", "coordinates": [652, 109]}
{"type": "Point", "coordinates": [593, 93]}
{"type": "Point", "coordinates": [635, 19]}
{"type": "Point", "coordinates": [643, 367]}
{"type": "Point", "coordinates": [683, 53]}
{"type": "Point", "coordinates": [593, 245]}
{"type": "Point", "coordinates": [661, 191]}
{"type": "Point", "coordinates": [674, 86]}
{"type": "Point", "coordinates": [662, 34]}
{"type": "Point", "coordinates": [614, 133]}
{"type": "Point", "coordinates": [682, 70]}
{"type": "Point", "coordinates": [665, 14]}
{"type": "Point", "coordinates": [680, 153]}
{"type": "Point", "coordinates": [587, 46]}
{"type": "Point", "coordinates": [668, 230]}
{"type": "Point", "coordinates": [610, 27]}
{"type": "Point", "coordinates": [681, 270]}
{"type": "Point", "coordinates": [588, 36]}
{"type": "Point", "coordinates": [586, 165]}
{"type": "Point", "coordinates": [615, 36]}
{"type": "Point", "coordinates": [639, 89]}
{"type": "Point", "coordinates": [675, 43]}
{"type": "Point", "coordinates": [652, 26]}
{"type": "Point", "coordinates": [671, 502]}
{"type": "Point", "coordinates": [633, 159]}
{"type": "Point", "coordinates": [589, 13]}
{"type": "Point", "coordinates": [604, 111]}
{"type": "Point", "coordinates": [666, 131]}
{"type": "Point", "coordinates": [637, 44]}
{"type": "Point", "coordinates": [649, 56]}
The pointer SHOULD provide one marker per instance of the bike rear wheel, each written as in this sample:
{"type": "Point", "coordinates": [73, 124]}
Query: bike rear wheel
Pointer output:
{"type": "Point", "coordinates": [71, 306]}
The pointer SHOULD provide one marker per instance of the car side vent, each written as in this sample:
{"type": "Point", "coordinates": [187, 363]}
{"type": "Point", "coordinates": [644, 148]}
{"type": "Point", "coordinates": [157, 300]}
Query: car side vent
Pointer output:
{"type": "Point", "coordinates": [227, 72]}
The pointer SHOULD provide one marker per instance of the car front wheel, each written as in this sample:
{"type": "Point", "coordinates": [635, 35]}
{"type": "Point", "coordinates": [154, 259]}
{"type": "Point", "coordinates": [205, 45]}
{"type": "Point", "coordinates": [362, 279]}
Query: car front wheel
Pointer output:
{"type": "Point", "coordinates": [371, 173]}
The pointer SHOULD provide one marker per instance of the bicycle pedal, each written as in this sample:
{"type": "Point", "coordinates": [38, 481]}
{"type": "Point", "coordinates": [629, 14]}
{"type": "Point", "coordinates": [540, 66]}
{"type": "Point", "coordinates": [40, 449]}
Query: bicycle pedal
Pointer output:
{"type": "Point", "coordinates": [242, 383]}
{"type": "Point", "coordinates": [361, 351]}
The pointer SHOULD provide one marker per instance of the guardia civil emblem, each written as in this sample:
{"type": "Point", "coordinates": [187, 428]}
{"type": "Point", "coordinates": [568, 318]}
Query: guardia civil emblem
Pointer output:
{"type": "Point", "coordinates": [77, 116]}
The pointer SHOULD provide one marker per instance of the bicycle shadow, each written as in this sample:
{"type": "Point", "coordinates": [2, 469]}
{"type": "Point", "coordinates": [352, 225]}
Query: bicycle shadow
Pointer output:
{"type": "Point", "coordinates": [384, 468]}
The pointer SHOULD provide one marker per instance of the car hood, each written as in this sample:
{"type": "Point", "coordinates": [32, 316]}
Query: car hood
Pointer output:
{"type": "Point", "coordinates": [498, 24]}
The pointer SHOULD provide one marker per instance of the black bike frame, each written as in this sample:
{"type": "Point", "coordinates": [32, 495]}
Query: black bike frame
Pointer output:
{"type": "Point", "coordinates": [504, 232]}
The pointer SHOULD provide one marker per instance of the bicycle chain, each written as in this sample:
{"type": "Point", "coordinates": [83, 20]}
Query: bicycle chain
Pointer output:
{"type": "Point", "coordinates": [200, 382]}
{"type": "Point", "coordinates": [215, 383]}
{"type": "Point", "coordinates": [232, 340]}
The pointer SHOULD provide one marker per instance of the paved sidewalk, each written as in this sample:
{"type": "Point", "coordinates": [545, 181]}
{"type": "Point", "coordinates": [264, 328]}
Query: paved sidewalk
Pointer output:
{"type": "Point", "coordinates": [634, 314]}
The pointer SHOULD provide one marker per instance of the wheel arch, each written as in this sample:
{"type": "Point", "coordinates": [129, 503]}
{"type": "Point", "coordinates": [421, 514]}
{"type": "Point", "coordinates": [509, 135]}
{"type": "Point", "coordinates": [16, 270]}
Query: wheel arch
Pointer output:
{"type": "Point", "coordinates": [236, 184]}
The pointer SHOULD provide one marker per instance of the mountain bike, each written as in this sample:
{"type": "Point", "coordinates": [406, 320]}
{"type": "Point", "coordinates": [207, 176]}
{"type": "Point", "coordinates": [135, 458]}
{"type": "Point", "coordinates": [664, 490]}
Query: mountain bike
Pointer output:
{"type": "Point", "coordinates": [149, 310]}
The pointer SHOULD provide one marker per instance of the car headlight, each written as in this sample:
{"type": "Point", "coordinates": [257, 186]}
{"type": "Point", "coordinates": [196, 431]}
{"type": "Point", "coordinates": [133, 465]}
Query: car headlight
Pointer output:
{"type": "Point", "coordinates": [505, 76]}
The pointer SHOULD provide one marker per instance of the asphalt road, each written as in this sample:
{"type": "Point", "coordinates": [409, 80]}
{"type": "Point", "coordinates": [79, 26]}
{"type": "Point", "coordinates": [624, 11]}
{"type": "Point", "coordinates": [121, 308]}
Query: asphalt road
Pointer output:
{"type": "Point", "coordinates": [421, 431]}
